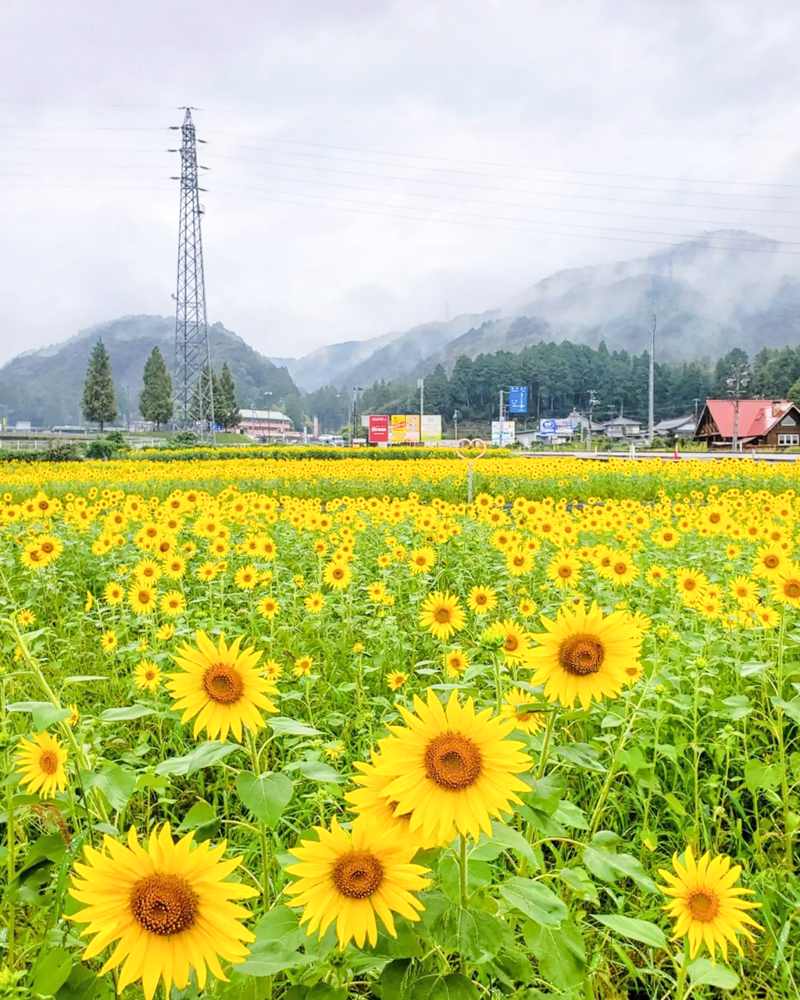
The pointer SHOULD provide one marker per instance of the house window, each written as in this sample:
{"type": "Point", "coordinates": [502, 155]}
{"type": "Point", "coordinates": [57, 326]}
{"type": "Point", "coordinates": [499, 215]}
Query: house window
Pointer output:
{"type": "Point", "coordinates": [788, 421]}
{"type": "Point", "coordinates": [788, 440]}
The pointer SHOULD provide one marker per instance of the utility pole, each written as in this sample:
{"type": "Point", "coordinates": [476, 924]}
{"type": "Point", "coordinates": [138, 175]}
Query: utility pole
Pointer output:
{"type": "Point", "coordinates": [501, 419]}
{"type": "Point", "coordinates": [269, 418]}
{"type": "Point", "coordinates": [651, 388]}
{"type": "Point", "coordinates": [192, 350]}
{"type": "Point", "coordinates": [421, 387]}
{"type": "Point", "coordinates": [737, 382]}
{"type": "Point", "coordinates": [128, 408]}
{"type": "Point", "coordinates": [455, 423]}
{"type": "Point", "coordinates": [592, 402]}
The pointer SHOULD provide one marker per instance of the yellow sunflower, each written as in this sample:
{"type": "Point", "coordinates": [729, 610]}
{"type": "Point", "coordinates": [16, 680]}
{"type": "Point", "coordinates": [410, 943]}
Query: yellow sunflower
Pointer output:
{"type": "Point", "coordinates": [745, 590]}
{"type": "Point", "coordinates": [113, 593]}
{"type": "Point", "coordinates": [40, 764]}
{"type": "Point", "coordinates": [396, 679]}
{"type": "Point", "coordinates": [268, 607]}
{"type": "Point", "coordinates": [147, 675]}
{"type": "Point", "coordinates": [455, 662]}
{"type": "Point", "coordinates": [109, 640]}
{"type": "Point", "coordinates": [172, 603]}
{"type": "Point", "coordinates": [770, 563]}
{"type": "Point", "coordinates": [246, 577]}
{"type": "Point", "coordinates": [169, 906]}
{"type": "Point", "coordinates": [421, 560]}
{"type": "Point", "coordinates": [370, 805]}
{"type": "Point", "coordinates": [564, 569]}
{"type": "Point", "coordinates": [337, 575]}
{"type": "Point", "coordinates": [522, 709]}
{"type": "Point", "coordinates": [585, 655]}
{"type": "Point", "coordinates": [142, 598]}
{"type": "Point", "coordinates": [690, 583]}
{"type": "Point", "coordinates": [314, 603]}
{"type": "Point", "coordinates": [515, 642]}
{"type": "Point", "coordinates": [656, 575]}
{"type": "Point", "coordinates": [786, 589]}
{"type": "Point", "coordinates": [451, 767]}
{"type": "Point", "coordinates": [482, 600]}
{"type": "Point", "coordinates": [221, 686]}
{"type": "Point", "coordinates": [353, 877]}
{"type": "Point", "coordinates": [441, 615]}
{"type": "Point", "coordinates": [519, 561]}
{"type": "Point", "coordinates": [706, 903]}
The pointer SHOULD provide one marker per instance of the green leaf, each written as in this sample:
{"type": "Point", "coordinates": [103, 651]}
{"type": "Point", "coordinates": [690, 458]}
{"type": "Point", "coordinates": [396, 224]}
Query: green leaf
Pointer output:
{"type": "Point", "coordinates": [637, 930]}
{"type": "Point", "coordinates": [203, 756]}
{"type": "Point", "coordinates": [535, 900]}
{"type": "Point", "coordinates": [559, 951]}
{"type": "Point", "coordinates": [291, 727]}
{"type": "Point", "coordinates": [758, 775]}
{"type": "Point", "coordinates": [316, 770]}
{"type": "Point", "coordinates": [265, 795]}
{"type": "Point", "coordinates": [453, 986]}
{"type": "Point", "coordinates": [791, 708]}
{"type": "Point", "coordinates": [602, 861]}
{"type": "Point", "coordinates": [202, 819]}
{"type": "Point", "coordinates": [546, 792]}
{"type": "Point", "coordinates": [570, 815]}
{"type": "Point", "coordinates": [397, 980]}
{"type": "Point", "coordinates": [703, 972]}
{"type": "Point", "coordinates": [51, 971]}
{"type": "Point", "coordinates": [115, 782]}
{"type": "Point", "coordinates": [578, 880]}
{"type": "Point", "coordinates": [509, 837]}
{"type": "Point", "coordinates": [126, 713]}
{"type": "Point", "coordinates": [85, 678]}
{"type": "Point", "coordinates": [278, 936]}
{"type": "Point", "coordinates": [582, 755]}
{"type": "Point", "coordinates": [44, 713]}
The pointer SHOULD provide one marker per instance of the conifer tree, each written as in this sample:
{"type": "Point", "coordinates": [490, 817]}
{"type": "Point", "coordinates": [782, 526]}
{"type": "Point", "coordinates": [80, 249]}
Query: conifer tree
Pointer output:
{"type": "Point", "coordinates": [226, 409]}
{"type": "Point", "coordinates": [99, 404]}
{"type": "Point", "coordinates": [155, 399]}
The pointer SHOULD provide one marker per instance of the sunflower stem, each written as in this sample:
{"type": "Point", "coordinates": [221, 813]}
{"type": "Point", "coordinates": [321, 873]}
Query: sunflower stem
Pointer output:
{"type": "Point", "coordinates": [787, 826]}
{"type": "Point", "coordinates": [548, 736]}
{"type": "Point", "coordinates": [262, 830]}
{"type": "Point", "coordinates": [462, 870]}
{"type": "Point", "coordinates": [498, 686]}
{"type": "Point", "coordinates": [10, 837]}
{"type": "Point", "coordinates": [682, 970]}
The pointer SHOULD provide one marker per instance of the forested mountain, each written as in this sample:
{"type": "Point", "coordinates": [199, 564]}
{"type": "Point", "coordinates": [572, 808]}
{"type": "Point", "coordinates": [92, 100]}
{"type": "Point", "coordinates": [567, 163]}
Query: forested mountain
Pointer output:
{"type": "Point", "coordinates": [45, 386]}
{"type": "Point", "coordinates": [708, 300]}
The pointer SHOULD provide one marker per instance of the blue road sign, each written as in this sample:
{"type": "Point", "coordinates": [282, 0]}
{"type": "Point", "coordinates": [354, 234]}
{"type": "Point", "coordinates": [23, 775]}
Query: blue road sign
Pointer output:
{"type": "Point", "coordinates": [518, 399]}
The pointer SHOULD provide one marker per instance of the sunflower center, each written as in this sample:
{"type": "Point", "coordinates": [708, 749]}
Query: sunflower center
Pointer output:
{"type": "Point", "coordinates": [703, 906]}
{"type": "Point", "coordinates": [771, 562]}
{"type": "Point", "coordinates": [442, 615]}
{"type": "Point", "coordinates": [689, 584]}
{"type": "Point", "coordinates": [164, 904]}
{"type": "Point", "coordinates": [480, 598]}
{"type": "Point", "coordinates": [222, 683]}
{"type": "Point", "coordinates": [564, 572]}
{"type": "Point", "coordinates": [144, 596]}
{"type": "Point", "coordinates": [453, 761]}
{"type": "Point", "coordinates": [48, 761]}
{"type": "Point", "coordinates": [792, 589]}
{"type": "Point", "coordinates": [511, 644]}
{"type": "Point", "coordinates": [581, 654]}
{"type": "Point", "coordinates": [357, 875]}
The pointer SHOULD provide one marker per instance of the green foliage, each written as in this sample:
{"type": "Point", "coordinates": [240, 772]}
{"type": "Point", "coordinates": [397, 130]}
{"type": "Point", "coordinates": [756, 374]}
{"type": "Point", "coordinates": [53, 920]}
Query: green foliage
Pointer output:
{"type": "Point", "coordinates": [98, 402]}
{"type": "Point", "coordinates": [226, 409]}
{"type": "Point", "coordinates": [110, 446]}
{"type": "Point", "coordinates": [155, 399]}
{"type": "Point", "coordinates": [183, 439]}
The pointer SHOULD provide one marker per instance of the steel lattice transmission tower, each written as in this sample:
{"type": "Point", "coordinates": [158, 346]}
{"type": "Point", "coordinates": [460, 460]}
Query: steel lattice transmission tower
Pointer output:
{"type": "Point", "coordinates": [194, 392]}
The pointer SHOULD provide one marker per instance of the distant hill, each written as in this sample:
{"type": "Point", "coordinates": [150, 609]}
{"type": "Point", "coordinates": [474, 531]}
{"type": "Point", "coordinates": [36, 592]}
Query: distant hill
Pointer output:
{"type": "Point", "coordinates": [727, 288]}
{"type": "Point", "coordinates": [45, 386]}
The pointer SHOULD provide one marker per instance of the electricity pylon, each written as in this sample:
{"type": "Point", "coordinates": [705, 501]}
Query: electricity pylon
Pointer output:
{"type": "Point", "coordinates": [194, 390]}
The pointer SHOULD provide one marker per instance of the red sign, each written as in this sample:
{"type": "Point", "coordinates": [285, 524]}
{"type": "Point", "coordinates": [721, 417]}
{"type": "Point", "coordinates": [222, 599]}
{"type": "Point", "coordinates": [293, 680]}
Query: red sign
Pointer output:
{"type": "Point", "coordinates": [378, 428]}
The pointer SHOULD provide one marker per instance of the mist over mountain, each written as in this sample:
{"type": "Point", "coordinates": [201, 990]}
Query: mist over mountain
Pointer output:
{"type": "Point", "coordinates": [45, 386]}
{"type": "Point", "coordinates": [727, 288]}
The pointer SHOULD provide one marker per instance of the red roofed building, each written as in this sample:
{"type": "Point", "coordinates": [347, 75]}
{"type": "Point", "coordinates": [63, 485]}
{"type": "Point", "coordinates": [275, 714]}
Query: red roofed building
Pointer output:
{"type": "Point", "coordinates": [762, 424]}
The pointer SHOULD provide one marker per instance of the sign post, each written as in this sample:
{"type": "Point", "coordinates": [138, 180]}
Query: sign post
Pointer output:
{"type": "Point", "coordinates": [466, 443]}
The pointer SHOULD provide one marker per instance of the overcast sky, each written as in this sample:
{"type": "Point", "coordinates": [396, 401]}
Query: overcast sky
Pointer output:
{"type": "Point", "coordinates": [376, 164]}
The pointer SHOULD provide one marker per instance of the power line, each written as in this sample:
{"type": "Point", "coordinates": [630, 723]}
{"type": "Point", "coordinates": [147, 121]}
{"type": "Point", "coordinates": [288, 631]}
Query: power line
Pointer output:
{"type": "Point", "coordinates": [512, 166]}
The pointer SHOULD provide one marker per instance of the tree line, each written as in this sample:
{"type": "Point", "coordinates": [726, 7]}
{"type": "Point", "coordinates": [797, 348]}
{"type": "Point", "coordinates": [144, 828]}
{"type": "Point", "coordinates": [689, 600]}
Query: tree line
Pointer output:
{"type": "Point", "coordinates": [99, 404]}
{"type": "Point", "coordinates": [560, 378]}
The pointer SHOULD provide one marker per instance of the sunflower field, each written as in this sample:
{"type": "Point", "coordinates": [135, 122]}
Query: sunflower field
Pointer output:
{"type": "Point", "coordinates": [319, 730]}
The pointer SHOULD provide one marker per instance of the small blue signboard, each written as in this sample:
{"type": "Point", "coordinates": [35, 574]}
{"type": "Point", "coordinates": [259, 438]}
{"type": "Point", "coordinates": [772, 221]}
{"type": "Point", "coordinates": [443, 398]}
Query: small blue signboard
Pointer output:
{"type": "Point", "coordinates": [547, 427]}
{"type": "Point", "coordinates": [518, 399]}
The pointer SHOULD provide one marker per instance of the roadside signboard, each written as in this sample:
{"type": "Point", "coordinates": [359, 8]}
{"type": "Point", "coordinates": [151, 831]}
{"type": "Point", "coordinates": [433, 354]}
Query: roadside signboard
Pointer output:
{"type": "Point", "coordinates": [518, 399]}
{"type": "Point", "coordinates": [503, 433]}
{"type": "Point", "coordinates": [431, 427]}
{"type": "Point", "coordinates": [550, 427]}
{"type": "Point", "coordinates": [378, 428]}
{"type": "Point", "coordinates": [397, 429]}
{"type": "Point", "coordinates": [412, 428]}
